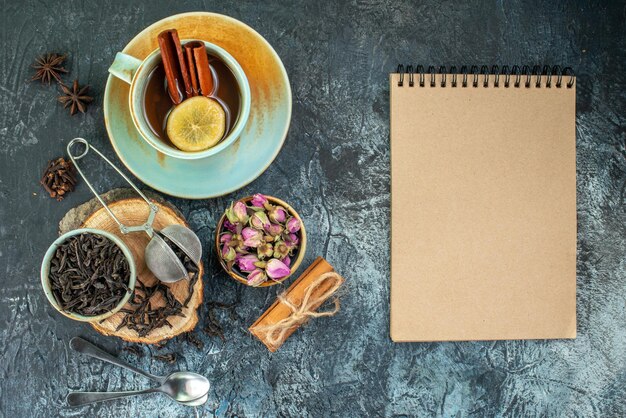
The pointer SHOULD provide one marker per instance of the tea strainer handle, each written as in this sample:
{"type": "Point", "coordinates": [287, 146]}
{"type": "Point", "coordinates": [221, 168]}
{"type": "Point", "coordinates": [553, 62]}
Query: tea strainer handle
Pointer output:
{"type": "Point", "coordinates": [147, 227]}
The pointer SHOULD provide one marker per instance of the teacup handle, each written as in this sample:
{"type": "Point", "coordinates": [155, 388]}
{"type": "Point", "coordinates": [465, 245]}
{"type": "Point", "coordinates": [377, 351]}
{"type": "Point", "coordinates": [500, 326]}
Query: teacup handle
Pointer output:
{"type": "Point", "coordinates": [124, 67]}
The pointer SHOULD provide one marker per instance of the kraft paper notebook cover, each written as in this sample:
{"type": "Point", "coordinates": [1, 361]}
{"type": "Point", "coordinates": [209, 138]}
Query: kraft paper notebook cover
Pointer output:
{"type": "Point", "coordinates": [483, 205]}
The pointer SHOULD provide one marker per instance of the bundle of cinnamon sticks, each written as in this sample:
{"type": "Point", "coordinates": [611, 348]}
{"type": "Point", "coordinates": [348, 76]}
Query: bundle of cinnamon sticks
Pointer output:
{"type": "Point", "coordinates": [187, 68]}
{"type": "Point", "coordinates": [298, 304]}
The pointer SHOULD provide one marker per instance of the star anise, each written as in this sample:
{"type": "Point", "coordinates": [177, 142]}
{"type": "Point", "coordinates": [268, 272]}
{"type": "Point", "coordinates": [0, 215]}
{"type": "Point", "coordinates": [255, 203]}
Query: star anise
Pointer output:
{"type": "Point", "coordinates": [75, 98]}
{"type": "Point", "coordinates": [48, 67]}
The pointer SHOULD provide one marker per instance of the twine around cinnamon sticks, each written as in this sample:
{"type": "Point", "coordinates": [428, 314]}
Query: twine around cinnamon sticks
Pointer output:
{"type": "Point", "coordinates": [298, 304]}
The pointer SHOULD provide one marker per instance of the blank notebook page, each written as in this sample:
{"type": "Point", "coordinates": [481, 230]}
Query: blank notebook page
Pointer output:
{"type": "Point", "coordinates": [483, 206]}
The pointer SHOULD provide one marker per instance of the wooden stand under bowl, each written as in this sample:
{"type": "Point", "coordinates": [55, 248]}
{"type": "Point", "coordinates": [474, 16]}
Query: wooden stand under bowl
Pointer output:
{"type": "Point", "coordinates": [134, 211]}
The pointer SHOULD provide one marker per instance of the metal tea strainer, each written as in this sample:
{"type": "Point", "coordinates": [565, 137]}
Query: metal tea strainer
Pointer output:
{"type": "Point", "coordinates": [160, 257]}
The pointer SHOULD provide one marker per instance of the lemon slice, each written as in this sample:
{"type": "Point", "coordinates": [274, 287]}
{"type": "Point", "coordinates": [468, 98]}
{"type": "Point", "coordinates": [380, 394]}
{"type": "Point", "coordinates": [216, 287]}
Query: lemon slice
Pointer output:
{"type": "Point", "coordinates": [196, 124]}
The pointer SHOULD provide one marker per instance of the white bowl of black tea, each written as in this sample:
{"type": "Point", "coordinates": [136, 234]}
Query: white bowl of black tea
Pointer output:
{"type": "Point", "coordinates": [88, 274]}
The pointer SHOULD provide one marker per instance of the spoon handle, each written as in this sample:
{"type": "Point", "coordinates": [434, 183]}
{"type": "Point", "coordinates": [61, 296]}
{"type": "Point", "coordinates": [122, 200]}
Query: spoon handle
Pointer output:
{"type": "Point", "coordinates": [85, 347]}
{"type": "Point", "coordinates": [84, 398]}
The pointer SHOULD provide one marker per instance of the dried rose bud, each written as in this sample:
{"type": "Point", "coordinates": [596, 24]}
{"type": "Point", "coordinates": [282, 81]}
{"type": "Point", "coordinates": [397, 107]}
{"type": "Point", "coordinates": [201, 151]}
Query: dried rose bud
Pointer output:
{"type": "Point", "coordinates": [236, 242]}
{"type": "Point", "coordinates": [287, 261]}
{"type": "Point", "coordinates": [228, 253]}
{"type": "Point", "coordinates": [241, 212]}
{"type": "Point", "coordinates": [256, 277]}
{"type": "Point", "coordinates": [281, 250]}
{"type": "Point", "coordinates": [230, 216]}
{"type": "Point", "coordinates": [294, 238]}
{"type": "Point", "coordinates": [229, 225]}
{"type": "Point", "coordinates": [276, 269]}
{"type": "Point", "coordinates": [251, 237]}
{"type": "Point", "coordinates": [246, 262]}
{"type": "Point", "coordinates": [292, 241]}
{"type": "Point", "coordinates": [258, 200]}
{"type": "Point", "coordinates": [259, 220]}
{"type": "Point", "coordinates": [293, 225]}
{"type": "Point", "coordinates": [226, 237]}
{"type": "Point", "coordinates": [265, 250]}
{"type": "Point", "coordinates": [274, 229]}
{"type": "Point", "coordinates": [277, 214]}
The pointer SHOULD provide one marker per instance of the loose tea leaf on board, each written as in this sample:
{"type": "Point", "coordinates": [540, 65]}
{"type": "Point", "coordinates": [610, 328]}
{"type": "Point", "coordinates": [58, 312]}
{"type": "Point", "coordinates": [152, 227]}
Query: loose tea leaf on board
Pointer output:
{"type": "Point", "coordinates": [143, 317]}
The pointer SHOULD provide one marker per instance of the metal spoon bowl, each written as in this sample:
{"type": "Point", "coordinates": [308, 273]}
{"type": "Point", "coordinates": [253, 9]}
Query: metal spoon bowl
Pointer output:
{"type": "Point", "coordinates": [185, 386]}
{"type": "Point", "coordinates": [198, 402]}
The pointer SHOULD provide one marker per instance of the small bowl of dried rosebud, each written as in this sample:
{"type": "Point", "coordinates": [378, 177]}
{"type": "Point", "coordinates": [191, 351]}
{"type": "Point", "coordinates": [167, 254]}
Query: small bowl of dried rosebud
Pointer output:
{"type": "Point", "coordinates": [260, 240]}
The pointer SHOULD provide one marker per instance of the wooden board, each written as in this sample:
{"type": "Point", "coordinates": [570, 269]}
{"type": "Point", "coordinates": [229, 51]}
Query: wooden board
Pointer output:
{"type": "Point", "coordinates": [134, 211]}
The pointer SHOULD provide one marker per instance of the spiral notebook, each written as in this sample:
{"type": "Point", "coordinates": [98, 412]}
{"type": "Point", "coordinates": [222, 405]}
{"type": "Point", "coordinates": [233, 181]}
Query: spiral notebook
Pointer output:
{"type": "Point", "coordinates": [483, 204]}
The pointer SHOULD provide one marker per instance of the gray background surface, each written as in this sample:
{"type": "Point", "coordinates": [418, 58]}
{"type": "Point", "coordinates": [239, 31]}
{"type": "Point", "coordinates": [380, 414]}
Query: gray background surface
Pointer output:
{"type": "Point", "coordinates": [334, 168]}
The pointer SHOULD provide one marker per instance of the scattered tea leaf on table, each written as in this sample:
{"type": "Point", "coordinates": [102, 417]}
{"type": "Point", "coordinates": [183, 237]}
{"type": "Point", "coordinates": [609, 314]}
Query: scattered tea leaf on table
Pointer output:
{"type": "Point", "coordinates": [166, 358]}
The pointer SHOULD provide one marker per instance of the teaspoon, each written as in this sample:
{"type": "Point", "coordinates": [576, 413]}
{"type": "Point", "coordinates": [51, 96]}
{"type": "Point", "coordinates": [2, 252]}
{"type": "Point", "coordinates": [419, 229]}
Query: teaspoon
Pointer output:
{"type": "Point", "coordinates": [187, 388]}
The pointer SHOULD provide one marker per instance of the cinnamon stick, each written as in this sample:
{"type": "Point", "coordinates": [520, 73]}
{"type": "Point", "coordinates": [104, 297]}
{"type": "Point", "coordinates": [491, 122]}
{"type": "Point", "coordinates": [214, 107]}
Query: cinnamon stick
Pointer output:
{"type": "Point", "coordinates": [193, 74]}
{"type": "Point", "coordinates": [278, 311]}
{"type": "Point", "coordinates": [201, 76]}
{"type": "Point", "coordinates": [176, 71]}
{"type": "Point", "coordinates": [204, 70]}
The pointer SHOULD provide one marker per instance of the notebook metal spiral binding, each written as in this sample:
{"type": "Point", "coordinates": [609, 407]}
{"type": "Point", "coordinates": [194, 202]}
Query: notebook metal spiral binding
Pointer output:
{"type": "Point", "coordinates": [520, 76]}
